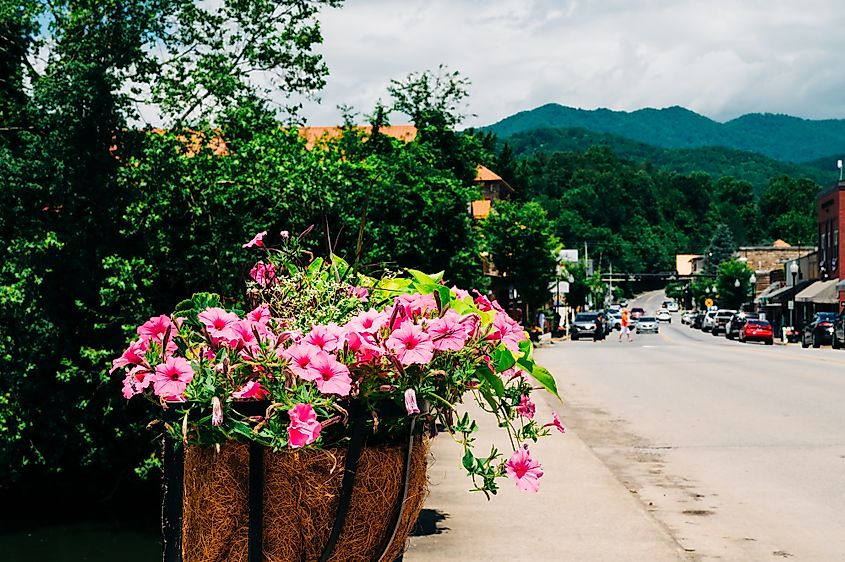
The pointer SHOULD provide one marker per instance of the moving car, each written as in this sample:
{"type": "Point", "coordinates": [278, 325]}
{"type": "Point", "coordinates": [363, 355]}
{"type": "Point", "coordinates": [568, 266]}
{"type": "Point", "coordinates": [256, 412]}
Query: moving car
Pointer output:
{"type": "Point", "coordinates": [584, 325]}
{"type": "Point", "coordinates": [819, 331]}
{"type": "Point", "coordinates": [614, 320]}
{"type": "Point", "coordinates": [647, 324]}
{"type": "Point", "coordinates": [720, 321]}
{"type": "Point", "coordinates": [757, 330]}
{"type": "Point", "coordinates": [636, 312]}
{"type": "Point", "coordinates": [664, 316]}
{"type": "Point", "coordinates": [672, 306]}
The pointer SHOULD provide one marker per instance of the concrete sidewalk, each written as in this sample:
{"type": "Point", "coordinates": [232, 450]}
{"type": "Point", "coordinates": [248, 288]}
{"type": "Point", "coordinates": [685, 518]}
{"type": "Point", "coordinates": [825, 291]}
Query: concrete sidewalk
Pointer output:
{"type": "Point", "coordinates": [581, 513]}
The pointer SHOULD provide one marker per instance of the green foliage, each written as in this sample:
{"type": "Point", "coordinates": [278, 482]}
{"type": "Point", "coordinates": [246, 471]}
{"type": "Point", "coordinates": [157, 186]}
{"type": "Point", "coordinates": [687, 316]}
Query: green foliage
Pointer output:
{"type": "Point", "coordinates": [780, 137]}
{"type": "Point", "coordinates": [721, 247]}
{"type": "Point", "coordinates": [730, 295]}
{"type": "Point", "coordinates": [522, 245]}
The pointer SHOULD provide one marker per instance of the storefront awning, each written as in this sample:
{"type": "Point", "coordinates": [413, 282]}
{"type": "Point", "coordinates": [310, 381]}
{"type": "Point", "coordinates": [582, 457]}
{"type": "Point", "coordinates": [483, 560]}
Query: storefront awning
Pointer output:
{"type": "Point", "coordinates": [841, 285]}
{"type": "Point", "coordinates": [820, 292]}
{"type": "Point", "coordinates": [767, 292]}
{"type": "Point", "coordinates": [784, 294]}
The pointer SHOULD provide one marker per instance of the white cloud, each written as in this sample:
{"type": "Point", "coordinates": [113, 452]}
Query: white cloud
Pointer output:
{"type": "Point", "coordinates": [721, 58]}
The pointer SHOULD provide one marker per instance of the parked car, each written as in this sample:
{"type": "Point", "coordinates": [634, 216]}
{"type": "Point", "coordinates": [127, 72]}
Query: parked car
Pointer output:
{"type": "Point", "coordinates": [720, 321]}
{"type": "Point", "coordinates": [757, 330]}
{"type": "Point", "coordinates": [664, 316]}
{"type": "Point", "coordinates": [673, 306]}
{"type": "Point", "coordinates": [647, 324]}
{"type": "Point", "coordinates": [737, 321]}
{"type": "Point", "coordinates": [584, 325]}
{"type": "Point", "coordinates": [614, 320]}
{"type": "Point", "coordinates": [636, 312]}
{"type": "Point", "coordinates": [819, 331]}
{"type": "Point", "coordinates": [698, 320]}
{"type": "Point", "coordinates": [708, 321]}
{"type": "Point", "coordinates": [839, 332]}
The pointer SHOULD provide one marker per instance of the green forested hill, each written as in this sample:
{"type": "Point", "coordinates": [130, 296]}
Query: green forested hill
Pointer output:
{"type": "Point", "coordinates": [716, 161]}
{"type": "Point", "coordinates": [780, 137]}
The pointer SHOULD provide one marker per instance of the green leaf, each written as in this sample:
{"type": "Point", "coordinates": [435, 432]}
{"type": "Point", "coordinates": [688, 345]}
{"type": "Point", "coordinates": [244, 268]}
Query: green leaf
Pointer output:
{"type": "Point", "coordinates": [468, 461]}
{"type": "Point", "coordinates": [503, 358]}
{"type": "Point", "coordinates": [546, 380]}
{"type": "Point", "coordinates": [492, 379]}
{"type": "Point", "coordinates": [314, 266]}
{"type": "Point", "coordinates": [421, 278]}
{"type": "Point", "coordinates": [444, 296]}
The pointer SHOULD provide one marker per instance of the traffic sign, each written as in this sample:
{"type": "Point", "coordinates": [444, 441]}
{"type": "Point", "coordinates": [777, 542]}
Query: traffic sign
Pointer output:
{"type": "Point", "coordinates": [708, 302]}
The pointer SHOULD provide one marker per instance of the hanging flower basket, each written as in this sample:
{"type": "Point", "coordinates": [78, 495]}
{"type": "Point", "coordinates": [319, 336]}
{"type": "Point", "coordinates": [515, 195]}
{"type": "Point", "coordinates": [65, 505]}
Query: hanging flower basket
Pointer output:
{"type": "Point", "coordinates": [299, 430]}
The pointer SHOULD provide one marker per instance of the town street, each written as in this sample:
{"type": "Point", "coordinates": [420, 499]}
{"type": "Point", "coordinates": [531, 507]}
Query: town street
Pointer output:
{"type": "Point", "coordinates": [725, 451]}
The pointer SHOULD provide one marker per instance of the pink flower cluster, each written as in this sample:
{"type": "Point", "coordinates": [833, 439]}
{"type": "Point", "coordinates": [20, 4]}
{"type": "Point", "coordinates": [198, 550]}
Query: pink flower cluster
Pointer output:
{"type": "Point", "coordinates": [398, 345]}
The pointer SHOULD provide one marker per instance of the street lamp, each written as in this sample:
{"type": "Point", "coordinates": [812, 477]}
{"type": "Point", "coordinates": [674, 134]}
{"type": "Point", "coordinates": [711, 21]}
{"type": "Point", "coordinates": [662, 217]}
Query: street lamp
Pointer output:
{"type": "Point", "coordinates": [737, 283]}
{"type": "Point", "coordinates": [753, 281]}
{"type": "Point", "coordinates": [793, 269]}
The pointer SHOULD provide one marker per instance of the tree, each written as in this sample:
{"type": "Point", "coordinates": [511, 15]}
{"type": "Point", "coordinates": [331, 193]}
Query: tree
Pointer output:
{"type": "Point", "coordinates": [721, 247]}
{"type": "Point", "coordinates": [787, 209]}
{"type": "Point", "coordinates": [732, 294]}
{"type": "Point", "coordinates": [522, 246]}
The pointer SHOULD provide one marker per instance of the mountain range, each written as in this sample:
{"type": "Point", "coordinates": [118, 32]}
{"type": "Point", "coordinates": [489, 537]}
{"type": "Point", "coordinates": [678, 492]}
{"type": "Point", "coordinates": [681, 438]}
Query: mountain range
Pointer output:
{"type": "Point", "coordinates": [780, 137]}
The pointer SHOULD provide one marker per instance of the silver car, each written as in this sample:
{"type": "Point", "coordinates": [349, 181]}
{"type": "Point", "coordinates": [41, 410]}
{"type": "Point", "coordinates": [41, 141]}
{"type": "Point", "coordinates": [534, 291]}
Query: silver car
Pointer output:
{"type": "Point", "coordinates": [647, 324]}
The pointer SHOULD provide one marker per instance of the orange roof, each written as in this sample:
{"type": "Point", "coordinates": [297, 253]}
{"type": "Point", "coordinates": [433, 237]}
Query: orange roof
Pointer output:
{"type": "Point", "coordinates": [196, 141]}
{"type": "Point", "coordinates": [480, 209]}
{"type": "Point", "coordinates": [780, 244]}
{"type": "Point", "coordinates": [405, 133]}
{"type": "Point", "coordinates": [486, 174]}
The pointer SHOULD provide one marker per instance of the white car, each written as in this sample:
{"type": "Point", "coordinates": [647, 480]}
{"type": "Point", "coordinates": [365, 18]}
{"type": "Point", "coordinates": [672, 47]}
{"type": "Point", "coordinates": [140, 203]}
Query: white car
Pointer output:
{"type": "Point", "coordinates": [664, 316]}
{"type": "Point", "coordinates": [709, 321]}
{"type": "Point", "coordinates": [672, 307]}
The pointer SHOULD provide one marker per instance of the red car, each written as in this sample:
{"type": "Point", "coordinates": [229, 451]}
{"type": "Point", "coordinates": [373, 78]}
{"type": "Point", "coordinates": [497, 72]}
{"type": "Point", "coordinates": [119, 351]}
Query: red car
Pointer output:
{"type": "Point", "coordinates": [636, 312]}
{"type": "Point", "coordinates": [757, 330]}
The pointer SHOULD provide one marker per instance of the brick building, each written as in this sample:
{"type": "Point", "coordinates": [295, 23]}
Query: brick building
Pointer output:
{"type": "Point", "coordinates": [831, 211]}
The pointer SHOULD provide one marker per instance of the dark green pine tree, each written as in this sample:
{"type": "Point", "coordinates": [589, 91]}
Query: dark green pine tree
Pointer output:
{"type": "Point", "coordinates": [721, 247]}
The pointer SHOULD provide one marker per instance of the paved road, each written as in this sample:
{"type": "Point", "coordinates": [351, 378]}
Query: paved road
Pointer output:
{"type": "Point", "coordinates": [683, 446]}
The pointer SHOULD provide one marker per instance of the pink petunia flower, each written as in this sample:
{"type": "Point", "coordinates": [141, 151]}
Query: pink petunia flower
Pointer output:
{"type": "Point", "coordinates": [251, 391]}
{"type": "Point", "coordinates": [260, 314]}
{"type": "Point", "coordinates": [332, 376]}
{"type": "Point", "coordinates": [370, 321]}
{"type": "Point", "coordinates": [361, 344]}
{"type": "Point", "coordinates": [417, 304]}
{"type": "Point", "coordinates": [155, 328]}
{"type": "Point", "coordinates": [525, 470]}
{"type": "Point", "coordinates": [361, 293]}
{"type": "Point", "coordinates": [134, 355]}
{"type": "Point", "coordinates": [284, 234]}
{"type": "Point", "coordinates": [257, 240]}
{"type": "Point", "coordinates": [460, 293]}
{"type": "Point", "coordinates": [304, 427]}
{"type": "Point", "coordinates": [327, 337]}
{"type": "Point", "coordinates": [411, 402]}
{"type": "Point", "coordinates": [263, 273]}
{"type": "Point", "coordinates": [217, 321]}
{"type": "Point", "coordinates": [556, 423]}
{"type": "Point", "coordinates": [136, 380]}
{"type": "Point", "coordinates": [447, 333]}
{"type": "Point", "coordinates": [299, 358]}
{"type": "Point", "coordinates": [172, 376]}
{"type": "Point", "coordinates": [411, 344]}
{"type": "Point", "coordinates": [526, 407]}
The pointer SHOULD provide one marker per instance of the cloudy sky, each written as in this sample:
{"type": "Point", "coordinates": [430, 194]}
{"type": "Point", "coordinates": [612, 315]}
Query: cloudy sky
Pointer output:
{"type": "Point", "coordinates": [721, 58]}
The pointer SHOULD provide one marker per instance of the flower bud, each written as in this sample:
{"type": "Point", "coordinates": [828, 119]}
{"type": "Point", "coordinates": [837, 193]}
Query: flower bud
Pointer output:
{"type": "Point", "coordinates": [411, 402]}
{"type": "Point", "coordinates": [216, 412]}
